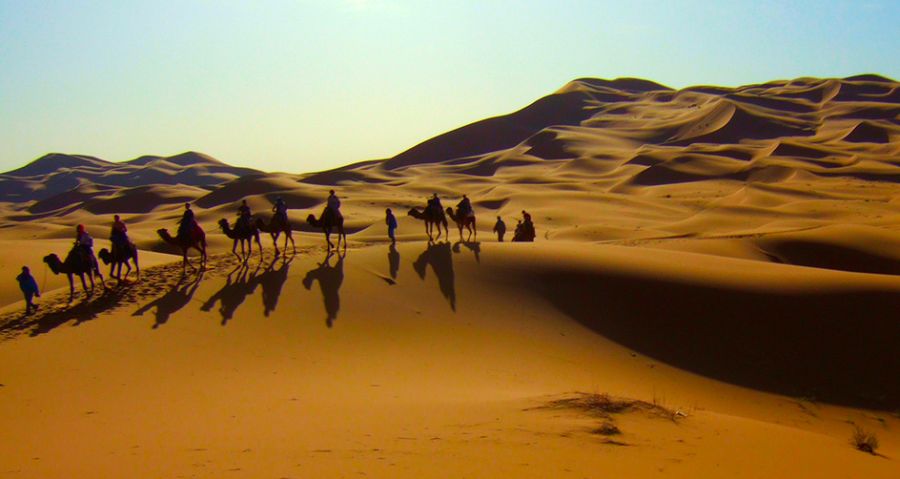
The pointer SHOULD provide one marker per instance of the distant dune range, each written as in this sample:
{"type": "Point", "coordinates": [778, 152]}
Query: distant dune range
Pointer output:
{"type": "Point", "coordinates": [688, 241]}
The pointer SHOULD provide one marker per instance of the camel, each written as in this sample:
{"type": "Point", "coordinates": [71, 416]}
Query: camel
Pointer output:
{"type": "Point", "coordinates": [118, 257]}
{"type": "Point", "coordinates": [197, 240]}
{"type": "Point", "coordinates": [75, 264]}
{"type": "Point", "coordinates": [275, 228]}
{"type": "Point", "coordinates": [468, 222]}
{"type": "Point", "coordinates": [327, 223]}
{"type": "Point", "coordinates": [430, 221]}
{"type": "Point", "coordinates": [242, 237]}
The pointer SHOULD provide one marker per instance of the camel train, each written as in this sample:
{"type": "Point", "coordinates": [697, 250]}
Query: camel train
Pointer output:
{"type": "Point", "coordinates": [245, 231]}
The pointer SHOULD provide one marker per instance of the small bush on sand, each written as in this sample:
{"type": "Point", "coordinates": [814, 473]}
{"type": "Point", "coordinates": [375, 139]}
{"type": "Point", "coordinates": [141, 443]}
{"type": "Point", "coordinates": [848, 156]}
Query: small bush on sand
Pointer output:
{"type": "Point", "coordinates": [604, 405]}
{"type": "Point", "coordinates": [607, 429]}
{"type": "Point", "coordinates": [864, 440]}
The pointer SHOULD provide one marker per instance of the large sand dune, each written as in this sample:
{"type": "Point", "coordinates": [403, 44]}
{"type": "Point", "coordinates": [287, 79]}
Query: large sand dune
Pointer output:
{"type": "Point", "coordinates": [727, 259]}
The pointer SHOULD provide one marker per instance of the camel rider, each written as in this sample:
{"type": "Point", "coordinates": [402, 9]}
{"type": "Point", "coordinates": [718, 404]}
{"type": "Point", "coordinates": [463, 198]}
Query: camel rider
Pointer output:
{"type": "Point", "coordinates": [527, 225]}
{"type": "Point", "coordinates": [280, 210]}
{"type": "Point", "coordinates": [187, 223]}
{"type": "Point", "coordinates": [333, 206]}
{"type": "Point", "coordinates": [118, 235]}
{"type": "Point", "coordinates": [84, 244]}
{"type": "Point", "coordinates": [434, 205]}
{"type": "Point", "coordinates": [464, 208]}
{"type": "Point", "coordinates": [244, 216]}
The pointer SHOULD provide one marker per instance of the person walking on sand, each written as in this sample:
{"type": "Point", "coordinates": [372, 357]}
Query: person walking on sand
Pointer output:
{"type": "Point", "coordinates": [29, 288]}
{"type": "Point", "coordinates": [391, 223]}
{"type": "Point", "coordinates": [500, 229]}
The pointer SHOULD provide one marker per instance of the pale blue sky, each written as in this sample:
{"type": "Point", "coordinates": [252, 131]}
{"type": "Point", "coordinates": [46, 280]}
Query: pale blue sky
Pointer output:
{"type": "Point", "coordinates": [309, 85]}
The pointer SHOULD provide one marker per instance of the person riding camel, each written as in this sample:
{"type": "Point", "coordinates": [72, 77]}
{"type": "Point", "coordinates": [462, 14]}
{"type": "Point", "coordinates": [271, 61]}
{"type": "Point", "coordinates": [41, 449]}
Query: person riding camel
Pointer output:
{"type": "Point", "coordinates": [84, 245]}
{"type": "Point", "coordinates": [464, 208]}
{"type": "Point", "coordinates": [244, 217]}
{"type": "Point", "coordinates": [280, 210]}
{"type": "Point", "coordinates": [434, 206]}
{"type": "Point", "coordinates": [187, 223]}
{"type": "Point", "coordinates": [118, 235]}
{"type": "Point", "coordinates": [528, 232]}
{"type": "Point", "coordinates": [333, 206]}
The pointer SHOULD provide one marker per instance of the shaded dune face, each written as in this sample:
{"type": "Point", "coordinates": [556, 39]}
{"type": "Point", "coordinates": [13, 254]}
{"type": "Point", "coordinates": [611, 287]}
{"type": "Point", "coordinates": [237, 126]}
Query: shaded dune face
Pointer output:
{"type": "Point", "coordinates": [834, 347]}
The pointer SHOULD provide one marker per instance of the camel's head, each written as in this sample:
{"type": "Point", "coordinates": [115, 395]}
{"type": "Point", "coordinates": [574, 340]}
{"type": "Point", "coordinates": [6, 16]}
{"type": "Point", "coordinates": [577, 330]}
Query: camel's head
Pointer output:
{"type": "Point", "coordinates": [104, 256]}
{"type": "Point", "coordinates": [223, 223]}
{"type": "Point", "coordinates": [52, 261]}
{"type": "Point", "coordinates": [163, 233]}
{"type": "Point", "coordinates": [413, 212]}
{"type": "Point", "coordinates": [449, 211]}
{"type": "Point", "coordinates": [311, 219]}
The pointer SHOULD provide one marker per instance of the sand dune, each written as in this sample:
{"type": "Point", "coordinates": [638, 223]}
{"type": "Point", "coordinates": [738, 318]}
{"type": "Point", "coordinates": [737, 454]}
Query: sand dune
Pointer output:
{"type": "Point", "coordinates": [724, 260]}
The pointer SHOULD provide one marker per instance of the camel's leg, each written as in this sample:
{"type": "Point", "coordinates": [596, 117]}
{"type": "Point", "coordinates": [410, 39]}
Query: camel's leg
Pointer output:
{"type": "Point", "coordinates": [289, 236]}
{"type": "Point", "coordinates": [234, 248]}
{"type": "Point", "coordinates": [137, 267]}
{"type": "Point", "coordinates": [71, 287]}
{"type": "Point", "coordinates": [84, 285]}
{"type": "Point", "coordinates": [275, 243]}
{"type": "Point", "coordinates": [260, 247]}
{"type": "Point", "coordinates": [99, 275]}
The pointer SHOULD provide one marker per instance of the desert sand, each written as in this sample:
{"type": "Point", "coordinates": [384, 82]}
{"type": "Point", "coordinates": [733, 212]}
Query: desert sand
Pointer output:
{"type": "Point", "coordinates": [718, 269]}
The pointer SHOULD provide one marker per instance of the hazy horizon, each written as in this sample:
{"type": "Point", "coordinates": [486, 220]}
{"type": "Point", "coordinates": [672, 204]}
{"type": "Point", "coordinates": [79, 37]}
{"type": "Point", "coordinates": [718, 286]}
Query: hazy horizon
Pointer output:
{"type": "Point", "coordinates": [313, 85]}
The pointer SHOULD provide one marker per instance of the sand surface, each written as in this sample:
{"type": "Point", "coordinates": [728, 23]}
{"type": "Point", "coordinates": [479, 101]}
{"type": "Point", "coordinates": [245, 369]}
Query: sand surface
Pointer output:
{"type": "Point", "coordinates": [724, 262]}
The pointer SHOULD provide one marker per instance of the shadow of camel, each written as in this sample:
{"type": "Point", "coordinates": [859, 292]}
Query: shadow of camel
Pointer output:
{"type": "Point", "coordinates": [473, 246]}
{"type": "Point", "coordinates": [240, 284]}
{"type": "Point", "coordinates": [174, 300]}
{"type": "Point", "coordinates": [330, 279]}
{"type": "Point", "coordinates": [440, 258]}
{"type": "Point", "coordinates": [272, 281]}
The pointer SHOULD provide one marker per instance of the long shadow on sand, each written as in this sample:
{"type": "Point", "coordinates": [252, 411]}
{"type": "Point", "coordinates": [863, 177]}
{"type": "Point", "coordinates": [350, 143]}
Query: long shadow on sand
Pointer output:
{"type": "Point", "coordinates": [473, 246]}
{"type": "Point", "coordinates": [440, 258]}
{"type": "Point", "coordinates": [53, 315]}
{"type": "Point", "coordinates": [838, 347]}
{"type": "Point", "coordinates": [272, 281]}
{"type": "Point", "coordinates": [173, 301]}
{"type": "Point", "coordinates": [330, 279]}
{"type": "Point", "coordinates": [393, 261]}
{"type": "Point", "coordinates": [238, 286]}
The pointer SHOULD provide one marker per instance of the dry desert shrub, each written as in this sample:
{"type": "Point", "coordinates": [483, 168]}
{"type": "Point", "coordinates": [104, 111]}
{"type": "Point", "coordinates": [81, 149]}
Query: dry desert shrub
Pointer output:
{"type": "Point", "coordinates": [864, 440]}
{"type": "Point", "coordinates": [603, 405]}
